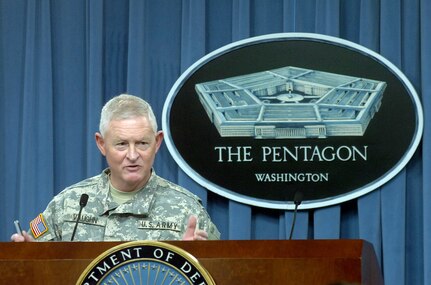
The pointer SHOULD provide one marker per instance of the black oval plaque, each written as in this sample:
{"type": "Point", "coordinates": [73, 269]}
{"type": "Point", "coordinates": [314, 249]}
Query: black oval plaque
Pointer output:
{"type": "Point", "coordinates": [258, 120]}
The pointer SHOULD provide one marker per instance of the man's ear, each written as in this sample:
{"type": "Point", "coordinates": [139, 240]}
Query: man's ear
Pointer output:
{"type": "Point", "coordinates": [100, 142]}
{"type": "Point", "coordinates": [159, 139]}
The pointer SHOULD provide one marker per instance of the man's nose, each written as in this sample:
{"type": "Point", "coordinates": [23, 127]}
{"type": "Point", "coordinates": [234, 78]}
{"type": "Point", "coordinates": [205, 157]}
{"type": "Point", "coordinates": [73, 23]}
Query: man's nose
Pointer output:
{"type": "Point", "coordinates": [132, 154]}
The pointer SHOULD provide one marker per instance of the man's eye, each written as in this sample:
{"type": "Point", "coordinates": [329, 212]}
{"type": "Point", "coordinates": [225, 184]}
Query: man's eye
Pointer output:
{"type": "Point", "coordinates": [143, 145]}
{"type": "Point", "coordinates": [120, 145]}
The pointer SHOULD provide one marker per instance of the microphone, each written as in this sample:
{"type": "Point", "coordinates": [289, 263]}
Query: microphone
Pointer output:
{"type": "Point", "coordinates": [297, 200]}
{"type": "Point", "coordinates": [82, 203]}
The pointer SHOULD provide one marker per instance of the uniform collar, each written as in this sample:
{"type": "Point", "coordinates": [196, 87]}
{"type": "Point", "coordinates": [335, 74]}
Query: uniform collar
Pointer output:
{"type": "Point", "coordinates": [140, 204]}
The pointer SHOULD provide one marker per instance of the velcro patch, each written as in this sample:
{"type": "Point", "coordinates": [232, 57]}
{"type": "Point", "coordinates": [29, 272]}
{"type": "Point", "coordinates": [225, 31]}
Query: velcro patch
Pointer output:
{"type": "Point", "coordinates": [38, 226]}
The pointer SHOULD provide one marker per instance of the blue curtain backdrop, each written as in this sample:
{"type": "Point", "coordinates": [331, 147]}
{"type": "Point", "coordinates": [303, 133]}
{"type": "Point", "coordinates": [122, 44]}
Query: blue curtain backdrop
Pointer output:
{"type": "Point", "coordinates": [60, 60]}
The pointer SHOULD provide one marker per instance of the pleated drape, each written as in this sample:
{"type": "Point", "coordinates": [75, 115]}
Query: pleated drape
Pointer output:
{"type": "Point", "coordinates": [423, 231]}
{"type": "Point", "coordinates": [61, 60]}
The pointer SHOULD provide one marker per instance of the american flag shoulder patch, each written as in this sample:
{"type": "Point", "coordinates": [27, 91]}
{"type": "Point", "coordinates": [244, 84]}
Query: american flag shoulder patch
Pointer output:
{"type": "Point", "coordinates": [38, 226]}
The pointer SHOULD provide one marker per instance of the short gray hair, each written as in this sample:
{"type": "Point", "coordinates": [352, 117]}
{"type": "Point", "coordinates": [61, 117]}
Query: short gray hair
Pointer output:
{"type": "Point", "coordinates": [123, 107]}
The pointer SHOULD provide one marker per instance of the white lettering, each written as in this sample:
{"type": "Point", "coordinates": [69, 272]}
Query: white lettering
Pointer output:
{"type": "Point", "coordinates": [103, 269]}
{"type": "Point", "coordinates": [292, 177]}
{"type": "Point", "coordinates": [138, 251]}
{"type": "Point", "coordinates": [234, 154]}
{"type": "Point", "coordinates": [92, 276]}
{"type": "Point", "coordinates": [195, 276]}
{"type": "Point", "coordinates": [266, 150]}
{"type": "Point", "coordinates": [169, 256]}
{"type": "Point", "coordinates": [308, 153]}
{"type": "Point", "coordinates": [114, 260]}
{"type": "Point", "coordinates": [186, 268]}
{"type": "Point", "coordinates": [126, 255]}
{"type": "Point", "coordinates": [158, 253]}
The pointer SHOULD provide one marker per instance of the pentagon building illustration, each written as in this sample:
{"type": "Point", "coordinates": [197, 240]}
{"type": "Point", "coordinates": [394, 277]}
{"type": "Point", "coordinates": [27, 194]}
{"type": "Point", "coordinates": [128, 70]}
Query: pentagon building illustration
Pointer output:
{"type": "Point", "coordinates": [291, 102]}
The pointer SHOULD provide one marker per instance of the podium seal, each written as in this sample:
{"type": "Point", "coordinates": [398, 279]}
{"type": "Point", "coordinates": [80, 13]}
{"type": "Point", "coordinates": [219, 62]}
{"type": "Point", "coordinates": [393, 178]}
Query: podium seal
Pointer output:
{"type": "Point", "coordinates": [145, 262]}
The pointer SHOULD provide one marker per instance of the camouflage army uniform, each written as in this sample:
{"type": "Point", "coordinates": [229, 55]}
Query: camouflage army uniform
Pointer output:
{"type": "Point", "coordinates": [160, 211]}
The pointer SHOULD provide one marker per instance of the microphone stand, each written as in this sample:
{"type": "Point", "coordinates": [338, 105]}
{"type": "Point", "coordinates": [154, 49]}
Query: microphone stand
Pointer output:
{"type": "Point", "coordinates": [297, 200]}
{"type": "Point", "coordinates": [82, 203]}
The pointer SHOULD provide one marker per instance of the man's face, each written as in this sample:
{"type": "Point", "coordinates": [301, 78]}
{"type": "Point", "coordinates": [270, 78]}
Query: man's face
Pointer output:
{"type": "Point", "coordinates": [129, 147]}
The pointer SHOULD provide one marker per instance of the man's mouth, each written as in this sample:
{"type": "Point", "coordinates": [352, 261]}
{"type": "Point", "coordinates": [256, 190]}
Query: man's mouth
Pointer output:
{"type": "Point", "coordinates": [132, 167]}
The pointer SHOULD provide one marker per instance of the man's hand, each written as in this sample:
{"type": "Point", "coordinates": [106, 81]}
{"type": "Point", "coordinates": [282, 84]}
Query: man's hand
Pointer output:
{"type": "Point", "coordinates": [21, 238]}
{"type": "Point", "coordinates": [192, 233]}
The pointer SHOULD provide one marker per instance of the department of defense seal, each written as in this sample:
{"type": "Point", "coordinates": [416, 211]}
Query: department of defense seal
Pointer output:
{"type": "Point", "coordinates": [145, 262]}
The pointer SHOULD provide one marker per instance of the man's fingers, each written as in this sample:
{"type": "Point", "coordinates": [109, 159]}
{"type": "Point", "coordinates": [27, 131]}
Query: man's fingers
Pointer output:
{"type": "Point", "coordinates": [201, 235]}
{"type": "Point", "coordinates": [191, 228]}
{"type": "Point", "coordinates": [21, 238]}
{"type": "Point", "coordinates": [192, 232]}
{"type": "Point", "coordinates": [17, 238]}
{"type": "Point", "coordinates": [27, 237]}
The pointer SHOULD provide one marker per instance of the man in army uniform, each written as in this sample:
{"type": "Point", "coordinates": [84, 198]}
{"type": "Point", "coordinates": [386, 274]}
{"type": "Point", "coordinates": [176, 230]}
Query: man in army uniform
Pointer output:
{"type": "Point", "coordinates": [127, 201]}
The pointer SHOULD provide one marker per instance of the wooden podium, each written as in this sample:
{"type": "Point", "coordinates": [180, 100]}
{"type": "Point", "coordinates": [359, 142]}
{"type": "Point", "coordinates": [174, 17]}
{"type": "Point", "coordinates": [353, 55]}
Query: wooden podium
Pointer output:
{"type": "Point", "coordinates": [228, 262]}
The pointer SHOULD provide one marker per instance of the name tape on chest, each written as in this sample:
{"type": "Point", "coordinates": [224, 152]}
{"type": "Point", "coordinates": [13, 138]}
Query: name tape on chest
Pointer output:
{"type": "Point", "coordinates": [159, 225]}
